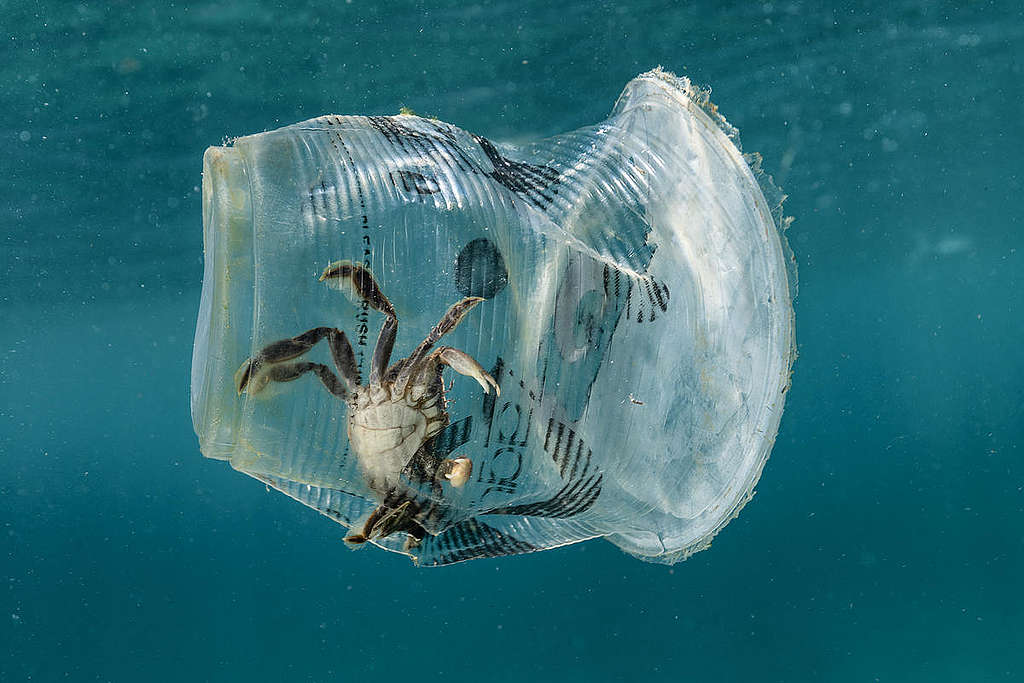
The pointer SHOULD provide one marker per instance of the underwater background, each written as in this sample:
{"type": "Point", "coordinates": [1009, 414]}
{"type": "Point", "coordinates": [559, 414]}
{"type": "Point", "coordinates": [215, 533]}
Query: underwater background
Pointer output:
{"type": "Point", "coordinates": [886, 539]}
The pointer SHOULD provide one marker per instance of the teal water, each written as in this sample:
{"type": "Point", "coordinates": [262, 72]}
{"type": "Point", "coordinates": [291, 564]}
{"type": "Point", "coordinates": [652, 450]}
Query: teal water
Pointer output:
{"type": "Point", "coordinates": [886, 540]}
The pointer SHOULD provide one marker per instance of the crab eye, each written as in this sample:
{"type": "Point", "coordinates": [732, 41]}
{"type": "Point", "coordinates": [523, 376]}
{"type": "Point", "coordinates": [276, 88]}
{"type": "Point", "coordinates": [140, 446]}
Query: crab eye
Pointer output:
{"type": "Point", "coordinates": [628, 384]}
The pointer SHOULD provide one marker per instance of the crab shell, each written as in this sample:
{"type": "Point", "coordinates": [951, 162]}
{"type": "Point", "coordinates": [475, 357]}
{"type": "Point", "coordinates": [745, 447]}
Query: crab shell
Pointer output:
{"type": "Point", "coordinates": [386, 430]}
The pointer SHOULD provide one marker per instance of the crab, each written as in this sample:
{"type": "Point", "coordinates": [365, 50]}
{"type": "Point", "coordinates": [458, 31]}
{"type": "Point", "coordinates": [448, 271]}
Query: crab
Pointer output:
{"type": "Point", "coordinates": [393, 419]}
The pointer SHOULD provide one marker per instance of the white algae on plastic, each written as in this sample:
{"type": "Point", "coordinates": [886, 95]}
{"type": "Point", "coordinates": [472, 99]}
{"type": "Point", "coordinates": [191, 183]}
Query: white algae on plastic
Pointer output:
{"type": "Point", "coordinates": [627, 287]}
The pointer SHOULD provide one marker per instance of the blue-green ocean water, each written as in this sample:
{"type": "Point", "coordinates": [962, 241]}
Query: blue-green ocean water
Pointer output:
{"type": "Point", "coordinates": [886, 540]}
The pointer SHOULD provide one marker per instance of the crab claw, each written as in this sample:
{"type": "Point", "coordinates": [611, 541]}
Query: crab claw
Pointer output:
{"type": "Point", "coordinates": [464, 364]}
{"type": "Point", "coordinates": [457, 471]}
{"type": "Point", "coordinates": [248, 377]}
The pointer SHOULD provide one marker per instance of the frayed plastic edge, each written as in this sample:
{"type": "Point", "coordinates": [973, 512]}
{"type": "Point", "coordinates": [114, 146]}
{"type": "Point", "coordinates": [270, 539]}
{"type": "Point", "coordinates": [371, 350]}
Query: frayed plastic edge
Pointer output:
{"type": "Point", "coordinates": [773, 194]}
{"type": "Point", "coordinates": [775, 198]}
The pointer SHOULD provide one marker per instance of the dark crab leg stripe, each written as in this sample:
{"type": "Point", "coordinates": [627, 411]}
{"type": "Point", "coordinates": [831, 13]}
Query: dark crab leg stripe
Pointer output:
{"type": "Point", "coordinates": [289, 349]}
{"type": "Point", "coordinates": [451, 319]}
{"type": "Point", "coordinates": [344, 359]}
{"type": "Point", "coordinates": [363, 283]}
{"type": "Point", "coordinates": [456, 312]}
{"type": "Point", "coordinates": [382, 350]}
{"type": "Point", "coordinates": [366, 287]}
{"type": "Point", "coordinates": [286, 372]}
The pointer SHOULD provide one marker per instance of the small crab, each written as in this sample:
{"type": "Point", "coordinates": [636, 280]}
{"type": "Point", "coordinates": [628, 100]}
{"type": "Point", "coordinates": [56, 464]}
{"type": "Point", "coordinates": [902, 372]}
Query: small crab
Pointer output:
{"type": "Point", "coordinates": [392, 420]}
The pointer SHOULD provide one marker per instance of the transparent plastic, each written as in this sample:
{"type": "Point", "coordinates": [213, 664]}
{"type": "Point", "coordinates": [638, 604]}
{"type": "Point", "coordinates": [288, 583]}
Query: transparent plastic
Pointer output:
{"type": "Point", "coordinates": [631, 292]}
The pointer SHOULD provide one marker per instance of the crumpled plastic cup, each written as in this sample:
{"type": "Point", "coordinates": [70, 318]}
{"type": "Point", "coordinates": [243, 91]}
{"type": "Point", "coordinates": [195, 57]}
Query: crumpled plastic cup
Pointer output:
{"type": "Point", "coordinates": [637, 315]}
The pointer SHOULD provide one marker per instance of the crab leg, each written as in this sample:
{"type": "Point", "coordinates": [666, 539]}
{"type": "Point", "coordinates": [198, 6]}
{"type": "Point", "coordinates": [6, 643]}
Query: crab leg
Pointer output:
{"type": "Point", "coordinates": [451, 319]}
{"type": "Point", "coordinates": [386, 520]}
{"type": "Point", "coordinates": [286, 372]}
{"type": "Point", "coordinates": [362, 536]}
{"type": "Point", "coordinates": [382, 349]}
{"type": "Point", "coordinates": [464, 364]}
{"type": "Point", "coordinates": [358, 285]}
{"type": "Point", "coordinates": [250, 378]}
